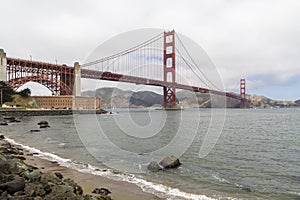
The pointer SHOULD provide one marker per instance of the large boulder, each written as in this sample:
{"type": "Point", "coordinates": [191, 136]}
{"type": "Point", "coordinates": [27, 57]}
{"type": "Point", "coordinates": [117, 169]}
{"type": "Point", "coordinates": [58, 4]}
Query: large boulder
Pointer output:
{"type": "Point", "coordinates": [154, 166]}
{"type": "Point", "coordinates": [4, 167]}
{"type": "Point", "coordinates": [170, 162]}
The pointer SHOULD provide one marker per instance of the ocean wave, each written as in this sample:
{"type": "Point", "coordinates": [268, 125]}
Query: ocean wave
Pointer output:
{"type": "Point", "coordinates": [295, 193]}
{"type": "Point", "coordinates": [220, 179]}
{"type": "Point", "coordinates": [159, 190]}
{"type": "Point", "coordinates": [237, 185]}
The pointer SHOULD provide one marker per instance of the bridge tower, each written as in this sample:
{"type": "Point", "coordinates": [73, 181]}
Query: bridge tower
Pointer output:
{"type": "Point", "coordinates": [169, 70]}
{"type": "Point", "coordinates": [243, 103]}
{"type": "Point", "coordinates": [77, 80]}
{"type": "Point", "coordinates": [3, 63]}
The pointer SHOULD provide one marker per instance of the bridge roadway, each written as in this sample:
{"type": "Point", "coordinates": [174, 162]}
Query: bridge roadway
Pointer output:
{"type": "Point", "coordinates": [94, 74]}
{"type": "Point", "coordinates": [18, 70]}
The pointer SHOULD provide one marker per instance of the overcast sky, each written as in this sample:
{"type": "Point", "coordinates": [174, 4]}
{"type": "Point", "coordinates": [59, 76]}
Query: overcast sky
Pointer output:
{"type": "Point", "coordinates": [255, 39]}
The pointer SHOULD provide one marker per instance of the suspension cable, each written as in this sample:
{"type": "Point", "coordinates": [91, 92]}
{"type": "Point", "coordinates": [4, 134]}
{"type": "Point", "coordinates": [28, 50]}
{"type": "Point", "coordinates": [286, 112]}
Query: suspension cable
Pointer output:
{"type": "Point", "coordinates": [153, 39]}
{"type": "Point", "coordinates": [196, 64]}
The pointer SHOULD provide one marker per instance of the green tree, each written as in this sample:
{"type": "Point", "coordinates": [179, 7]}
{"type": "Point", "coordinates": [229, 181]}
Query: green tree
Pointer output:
{"type": "Point", "coordinates": [6, 92]}
{"type": "Point", "coordinates": [25, 93]}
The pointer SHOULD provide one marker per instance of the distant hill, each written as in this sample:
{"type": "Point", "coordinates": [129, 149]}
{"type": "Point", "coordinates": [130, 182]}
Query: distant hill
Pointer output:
{"type": "Point", "coordinates": [297, 102]}
{"type": "Point", "coordinates": [264, 102]}
{"type": "Point", "coordinates": [202, 100]}
{"type": "Point", "coordinates": [121, 98]}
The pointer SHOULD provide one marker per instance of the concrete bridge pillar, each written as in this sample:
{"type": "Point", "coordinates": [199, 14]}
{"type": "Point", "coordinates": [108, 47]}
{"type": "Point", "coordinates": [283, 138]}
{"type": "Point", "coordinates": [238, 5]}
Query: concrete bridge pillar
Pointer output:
{"type": "Point", "coordinates": [2, 65]}
{"type": "Point", "coordinates": [77, 81]}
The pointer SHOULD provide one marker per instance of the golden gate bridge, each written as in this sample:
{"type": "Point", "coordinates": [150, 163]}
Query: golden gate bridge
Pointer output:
{"type": "Point", "coordinates": [162, 61]}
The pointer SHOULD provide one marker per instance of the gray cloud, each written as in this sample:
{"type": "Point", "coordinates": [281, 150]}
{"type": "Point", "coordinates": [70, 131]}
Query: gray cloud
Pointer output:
{"type": "Point", "coordinates": [249, 38]}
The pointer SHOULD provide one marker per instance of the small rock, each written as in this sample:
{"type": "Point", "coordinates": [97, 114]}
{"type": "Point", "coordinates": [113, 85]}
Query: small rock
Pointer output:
{"type": "Point", "coordinates": [154, 166]}
{"type": "Point", "coordinates": [170, 162]}
{"type": "Point", "coordinates": [76, 188]}
{"type": "Point", "coordinates": [101, 191]}
{"type": "Point", "coordinates": [34, 176]}
{"type": "Point", "coordinates": [47, 188]}
{"type": "Point", "coordinates": [62, 189]}
{"type": "Point", "coordinates": [245, 188]}
{"type": "Point", "coordinates": [9, 117]}
{"type": "Point", "coordinates": [19, 157]}
{"type": "Point", "coordinates": [2, 137]}
{"type": "Point", "coordinates": [35, 130]}
{"type": "Point", "coordinates": [59, 175]}
{"type": "Point", "coordinates": [43, 123]}
{"type": "Point", "coordinates": [44, 126]}
{"type": "Point", "coordinates": [4, 166]}
{"type": "Point", "coordinates": [5, 178]}
{"type": "Point", "coordinates": [3, 124]}
{"type": "Point", "coordinates": [4, 195]}
{"type": "Point", "coordinates": [49, 177]}
{"type": "Point", "coordinates": [13, 186]}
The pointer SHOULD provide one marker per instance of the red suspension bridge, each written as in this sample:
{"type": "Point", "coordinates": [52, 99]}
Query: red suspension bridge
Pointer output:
{"type": "Point", "coordinates": [156, 62]}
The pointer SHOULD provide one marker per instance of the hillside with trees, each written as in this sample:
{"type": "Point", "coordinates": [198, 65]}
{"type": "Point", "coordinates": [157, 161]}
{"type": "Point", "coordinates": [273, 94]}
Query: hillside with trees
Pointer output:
{"type": "Point", "coordinates": [20, 99]}
{"type": "Point", "coordinates": [187, 99]}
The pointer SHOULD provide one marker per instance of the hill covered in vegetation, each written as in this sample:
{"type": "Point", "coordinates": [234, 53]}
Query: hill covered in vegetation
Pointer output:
{"type": "Point", "coordinates": [120, 98]}
{"type": "Point", "coordinates": [114, 97]}
{"type": "Point", "coordinates": [20, 99]}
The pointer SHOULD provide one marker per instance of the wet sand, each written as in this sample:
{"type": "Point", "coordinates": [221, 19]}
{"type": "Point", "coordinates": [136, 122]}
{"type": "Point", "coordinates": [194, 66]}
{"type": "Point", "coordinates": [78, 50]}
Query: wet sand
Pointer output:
{"type": "Point", "coordinates": [120, 190]}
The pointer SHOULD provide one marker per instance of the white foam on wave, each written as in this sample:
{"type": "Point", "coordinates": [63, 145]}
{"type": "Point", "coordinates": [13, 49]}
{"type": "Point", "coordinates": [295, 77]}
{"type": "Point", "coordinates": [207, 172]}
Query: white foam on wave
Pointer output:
{"type": "Point", "coordinates": [295, 193]}
{"type": "Point", "coordinates": [220, 179]}
{"type": "Point", "coordinates": [159, 190]}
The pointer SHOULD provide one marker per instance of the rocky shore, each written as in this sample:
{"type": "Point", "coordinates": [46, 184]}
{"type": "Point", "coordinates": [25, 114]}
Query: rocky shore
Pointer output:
{"type": "Point", "coordinates": [19, 180]}
{"type": "Point", "coordinates": [17, 112]}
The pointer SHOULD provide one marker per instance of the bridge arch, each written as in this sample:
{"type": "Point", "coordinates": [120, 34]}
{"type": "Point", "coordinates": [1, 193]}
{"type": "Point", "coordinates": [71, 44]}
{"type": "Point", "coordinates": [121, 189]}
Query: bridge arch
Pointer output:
{"type": "Point", "coordinates": [56, 87]}
{"type": "Point", "coordinates": [59, 79]}
{"type": "Point", "coordinates": [36, 89]}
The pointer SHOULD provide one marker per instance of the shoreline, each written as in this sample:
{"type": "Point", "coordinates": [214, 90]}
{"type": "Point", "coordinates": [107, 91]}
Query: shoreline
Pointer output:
{"type": "Point", "coordinates": [17, 112]}
{"type": "Point", "coordinates": [120, 190]}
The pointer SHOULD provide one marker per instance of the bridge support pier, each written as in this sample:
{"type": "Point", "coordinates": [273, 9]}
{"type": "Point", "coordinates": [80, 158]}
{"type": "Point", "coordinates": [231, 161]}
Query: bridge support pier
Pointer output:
{"type": "Point", "coordinates": [77, 80]}
{"type": "Point", "coordinates": [169, 70]}
{"type": "Point", "coordinates": [3, 63]}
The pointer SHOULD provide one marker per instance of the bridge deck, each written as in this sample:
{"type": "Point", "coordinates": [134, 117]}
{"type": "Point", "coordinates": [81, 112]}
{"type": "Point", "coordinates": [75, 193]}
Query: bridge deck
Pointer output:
{"type": "Point", "coordinates": [94, 74]}
{"type": "Point", "coordinates": [41, 69]}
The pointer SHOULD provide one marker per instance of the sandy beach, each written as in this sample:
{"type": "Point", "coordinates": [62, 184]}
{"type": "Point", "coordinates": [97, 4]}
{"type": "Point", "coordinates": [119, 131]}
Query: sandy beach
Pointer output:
{"type": "Point", "coordinates": [25, 175]}
{"type": "Point", "coordinates": [120, 190]}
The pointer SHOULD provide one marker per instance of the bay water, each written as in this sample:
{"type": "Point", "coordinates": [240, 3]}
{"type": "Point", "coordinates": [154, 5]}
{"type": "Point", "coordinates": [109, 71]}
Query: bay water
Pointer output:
{"type": "Point", "coordinates": [255, 156]}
